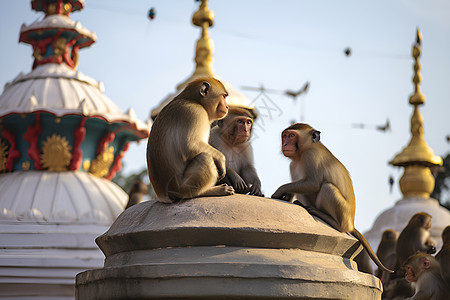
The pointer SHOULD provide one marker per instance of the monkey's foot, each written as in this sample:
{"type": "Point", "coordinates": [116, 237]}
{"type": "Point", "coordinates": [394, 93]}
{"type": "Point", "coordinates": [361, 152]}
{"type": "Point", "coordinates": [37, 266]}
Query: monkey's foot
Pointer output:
{"type": "Point", "coordinates": [219, 190]}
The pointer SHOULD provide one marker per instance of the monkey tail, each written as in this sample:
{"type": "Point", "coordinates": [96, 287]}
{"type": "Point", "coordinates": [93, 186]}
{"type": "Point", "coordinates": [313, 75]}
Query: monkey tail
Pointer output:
{"type": "Point", "coordinates": [369, 250]}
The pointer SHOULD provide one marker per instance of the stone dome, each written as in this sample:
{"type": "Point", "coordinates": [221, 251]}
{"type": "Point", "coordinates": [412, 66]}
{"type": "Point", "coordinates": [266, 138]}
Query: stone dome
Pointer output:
{"type": "Point", "coordinates": [230, 247]}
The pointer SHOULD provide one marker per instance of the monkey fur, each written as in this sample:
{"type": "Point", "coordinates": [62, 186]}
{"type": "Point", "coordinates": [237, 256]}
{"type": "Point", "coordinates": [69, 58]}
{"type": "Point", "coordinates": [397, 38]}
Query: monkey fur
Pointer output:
{"type": "Point", "coordinates": [321, 182]}
{"type": "Point", "coordinates": [231, 137]}
{"type": "Point", "coordinates": [443, 257]}
{"type": "Point", "coordinates": [181, 164]}
{"type": "Point", "coordinates": [137, 193]}
{"type": "Point", "coordinates": [386, 252]}
{"type": "Point", "coordinates": [424, 270]}
{"type": "Point", "coordinates": [415, 237]}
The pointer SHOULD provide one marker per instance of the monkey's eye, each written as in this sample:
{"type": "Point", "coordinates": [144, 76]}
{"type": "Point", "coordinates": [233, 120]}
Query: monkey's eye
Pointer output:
{"type": "Point", "coordinates": [249, 122]}
{"type": "Point", "coordinates": [291, 135]}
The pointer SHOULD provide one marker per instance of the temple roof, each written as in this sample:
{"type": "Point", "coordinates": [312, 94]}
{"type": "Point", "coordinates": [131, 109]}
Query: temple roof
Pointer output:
{"type": "Point", "coordinates": [56, 22]}
{"type": "Point", "coordinates": [61, 90]}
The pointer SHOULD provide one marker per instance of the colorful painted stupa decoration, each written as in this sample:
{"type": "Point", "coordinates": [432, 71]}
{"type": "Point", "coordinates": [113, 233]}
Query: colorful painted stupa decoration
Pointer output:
{"type": "Point", "coordinates": [61, 141]}
{"type": "Point", "coordinates": [55, 118]}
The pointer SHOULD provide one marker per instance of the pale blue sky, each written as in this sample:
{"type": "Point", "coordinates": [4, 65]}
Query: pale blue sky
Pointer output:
{"type": "Point", "coordinates": [280, 44]}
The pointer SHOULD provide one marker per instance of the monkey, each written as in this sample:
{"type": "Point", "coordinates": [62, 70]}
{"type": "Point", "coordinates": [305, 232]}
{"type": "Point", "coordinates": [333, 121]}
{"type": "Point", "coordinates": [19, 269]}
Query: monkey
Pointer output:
{"type": "Point", "coordinates": [231, 137]}
{"type": "Point", "coordinates": [180, 162]}
{"type": "Point", "coordinates": [363, 261]}
{"type": "Point", "coordinates": [415, 237]}
{"type": "Point", "coordinates": [136, 193]}
{"type": "Point", "coordinates": [443, 257]}
{"type": "Point", "coordinates": [424, 270]}
{"type": "Point", "coordinates": [321, 181]}
{"type": "Point", "coordinates": [386, 252]}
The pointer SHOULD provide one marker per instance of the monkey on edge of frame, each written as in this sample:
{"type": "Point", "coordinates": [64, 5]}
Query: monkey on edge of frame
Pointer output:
{"type": "Point", "coordinates": [424, 270]}
{"type": "Point", "coordinates": [443, 257]}
{"type": "Point", "coordinates": [231, 137]}
{"type": "Point", "coordinates": [181, 164]}
{"type": "Point", "coordinates": [321, 182]}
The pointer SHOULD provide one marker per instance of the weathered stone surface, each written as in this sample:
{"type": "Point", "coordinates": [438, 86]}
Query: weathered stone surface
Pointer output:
{"type": "Point", "coordinates": [234, 247]}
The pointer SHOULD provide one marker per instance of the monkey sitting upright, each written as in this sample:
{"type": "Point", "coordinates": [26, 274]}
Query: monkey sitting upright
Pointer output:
{"type": "Point", "coordinates": [181, 164]}
{"type": "Point", "coordinates": [321, 182]}
{"type": "Point", "coordinates": [415, 237]}
{"type": "Point", "coordinates": [386, 252]}
{"type": "Point", "coordinates": [137, 192]}
{"type": "Point", "coordinates": [231, 137]}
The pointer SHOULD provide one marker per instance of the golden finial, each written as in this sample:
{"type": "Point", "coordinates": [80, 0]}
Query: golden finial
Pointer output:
{"type": "Point", "coordinates": [417, 98]}
{"type": "Point", "coordinates": [417, 157]}
{"type": "Point", "coordinates": [203, 18]}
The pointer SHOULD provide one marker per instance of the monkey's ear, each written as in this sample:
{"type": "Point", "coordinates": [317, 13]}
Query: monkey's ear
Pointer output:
{"type": "Point", "coordinates": [315, 135]}
{"type": "Point", "coordinates": [425, 263]}
{"type": "Point", "coordinates": [204, 88]}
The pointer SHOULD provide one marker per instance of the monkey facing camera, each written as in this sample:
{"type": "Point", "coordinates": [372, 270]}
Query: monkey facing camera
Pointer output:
{"type": "Point", "coordinates": [231, 137]}
{"type": "Point", "coordinates": [320, 182]}
{"type": "Point", "coordinates": [181, 164]}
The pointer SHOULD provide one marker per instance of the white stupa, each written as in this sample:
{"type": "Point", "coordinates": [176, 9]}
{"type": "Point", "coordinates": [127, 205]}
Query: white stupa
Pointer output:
{"type": "Point", "coordinates": [417, 182]}
{"type": "Point", "coordinates": [61, 141]}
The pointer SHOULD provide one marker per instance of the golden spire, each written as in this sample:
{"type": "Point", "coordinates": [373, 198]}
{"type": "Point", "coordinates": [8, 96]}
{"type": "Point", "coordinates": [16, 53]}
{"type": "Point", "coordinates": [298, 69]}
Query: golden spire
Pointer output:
{"type": "Point", "coordinates": [417, 157]}
{"type": "Point", "coordinates": [203, 18]}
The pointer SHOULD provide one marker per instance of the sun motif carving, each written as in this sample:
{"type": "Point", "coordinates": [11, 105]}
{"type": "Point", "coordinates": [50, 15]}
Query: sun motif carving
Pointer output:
{"type": "Point", "coordinates": [101, 164]}
{"type": "Point", "coordinates": [3, 155]}
{"type": "Point", "coordinates": [56, 153]}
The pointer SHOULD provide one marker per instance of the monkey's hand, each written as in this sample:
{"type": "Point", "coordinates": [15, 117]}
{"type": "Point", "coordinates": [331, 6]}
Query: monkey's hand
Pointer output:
{"type": "Point", "coordinates": [282, 194]}
{"type": "Point", "coordinates": [236, 181]}
{"type": "Point", "coordinates": [255, 190]}
{"type": "Point", "coordinates": [240, 186]}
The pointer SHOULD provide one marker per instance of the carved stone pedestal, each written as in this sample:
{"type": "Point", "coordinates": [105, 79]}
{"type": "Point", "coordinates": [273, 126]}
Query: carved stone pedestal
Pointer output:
{"type": "Point", "coordinates": [235, 247]}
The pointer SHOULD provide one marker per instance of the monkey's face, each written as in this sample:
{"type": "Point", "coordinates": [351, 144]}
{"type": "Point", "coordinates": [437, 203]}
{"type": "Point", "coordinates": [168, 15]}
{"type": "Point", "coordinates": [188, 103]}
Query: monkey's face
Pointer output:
{"type": "Point", "coordinates": [290, 140]}
{"type": "Point", "coordinates": [240, 128]}
{"type": "Point", "coordinates": [410, 275]}
{"type": "Point", "coordinates": [222, 106]}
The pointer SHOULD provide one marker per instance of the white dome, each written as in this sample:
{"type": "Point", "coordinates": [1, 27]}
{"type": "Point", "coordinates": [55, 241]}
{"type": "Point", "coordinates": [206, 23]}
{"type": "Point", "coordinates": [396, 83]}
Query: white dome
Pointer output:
{"type": "Point", "coordinates": [59, 197]}
{"type": "Point", "coordinates": [399, 215]}
{"type": "Point", "coordinates": [60, 90]}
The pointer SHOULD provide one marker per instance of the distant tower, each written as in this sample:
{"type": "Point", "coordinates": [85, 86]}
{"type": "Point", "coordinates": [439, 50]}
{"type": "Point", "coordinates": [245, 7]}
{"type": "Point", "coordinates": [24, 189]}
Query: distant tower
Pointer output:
{"type": "Point", "coordinates": [204, 18]}
{"type": "Point", "coordinates": [61, 141]}
{"type": "Point", "coordinates": [417, 182]}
